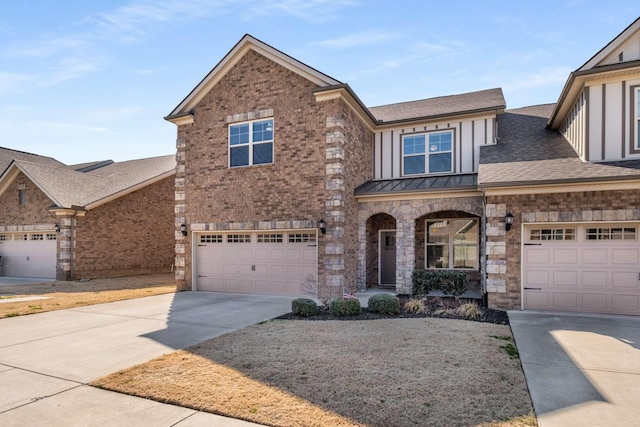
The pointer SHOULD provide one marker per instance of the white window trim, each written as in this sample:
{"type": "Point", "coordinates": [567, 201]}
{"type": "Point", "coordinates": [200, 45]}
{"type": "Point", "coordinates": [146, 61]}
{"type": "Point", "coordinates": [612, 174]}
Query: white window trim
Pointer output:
{"type": "Point", "coordinates": [636, 120]}
{"type": "Point", "coordinates": [427, 153]}
{"type": "Point", "coordinates": [250, 144]}
{"type": "Point", "coordinates": [450, 245]}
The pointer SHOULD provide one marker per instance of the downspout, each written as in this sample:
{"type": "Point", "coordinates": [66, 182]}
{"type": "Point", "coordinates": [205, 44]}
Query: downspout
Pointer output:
{"type": "Point", "coordinates": [71, 243]}
{"type": "Point", "coordinates": [483, 239]}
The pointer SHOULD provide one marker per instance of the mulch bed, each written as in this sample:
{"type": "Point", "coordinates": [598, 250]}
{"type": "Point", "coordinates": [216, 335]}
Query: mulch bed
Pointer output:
{"type": "Point", "coordinates": [433, 308]}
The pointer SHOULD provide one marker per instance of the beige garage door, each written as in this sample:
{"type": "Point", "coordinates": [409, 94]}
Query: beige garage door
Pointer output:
{"type": "Point", "coordinates": [582, 267]}
{"type": "Point", "coordinates": [273, 263]}
{"type": "Point", "coordinates": [29, 254]}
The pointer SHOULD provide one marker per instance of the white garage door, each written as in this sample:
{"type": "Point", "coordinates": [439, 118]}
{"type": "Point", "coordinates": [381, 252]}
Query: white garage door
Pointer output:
{"type": "Point", "coordinates": [28, 254]}
{"type": "Point", "coordinates": [582, 267]}
{"type": "Point", "coordinates": [273, 263]}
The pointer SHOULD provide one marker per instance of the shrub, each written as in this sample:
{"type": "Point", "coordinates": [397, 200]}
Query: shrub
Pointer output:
{"type": "Point", "coordinates": [469, 310]}
{"type": "Point", "coordinates": [384, 303]}
{"type": "Point", "coordinates": [344, 307]}
{"type": "Point", "coordinates": [304, 307]}
{"type": "Point", "coordinates": [450, 282]}
{"type": "Point", "coordinates": [415, 306]}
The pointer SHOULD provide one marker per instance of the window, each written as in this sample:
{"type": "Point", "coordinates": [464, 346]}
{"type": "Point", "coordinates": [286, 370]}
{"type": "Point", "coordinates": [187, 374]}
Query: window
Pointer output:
{"type": "Point", "coordinates": [211, 238]}
{"type": "Point", "coordinates": [613, 233]}
{"type": "Point", "coordinates": [270, 238]}
{"type": "Point", "coordinates": [637, 120]}
{"type": "Point", "coordinates": [22, 197]}
{"type": "Point", "coordinates": [238, 238]}
{"type": "Point", "coordinates": [452, 243]}
{"type": "Point", "coordinates": [427, 153]}
{"type": "Point", "coordinates": [251, 143]}
{"type": "Point", "coordinates": [37, 237]}
{"type": "Point", "coordinates": [52, 237]}
{"type": "Point", "coordinates": [3, 237]}
{"type": "Point", "coordinates": [553, 234]}
{"type": "Point", "coordinates": [302, 238]}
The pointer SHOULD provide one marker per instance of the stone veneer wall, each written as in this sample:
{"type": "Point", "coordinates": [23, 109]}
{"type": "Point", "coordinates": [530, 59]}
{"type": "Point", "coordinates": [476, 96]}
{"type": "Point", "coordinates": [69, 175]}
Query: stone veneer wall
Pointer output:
{"type": "Point", "coordinates": [504, 248]}
{"type": "Point", "coordinates": [406, 212]}
{"type": "Point", "coordinates": [127, 236]}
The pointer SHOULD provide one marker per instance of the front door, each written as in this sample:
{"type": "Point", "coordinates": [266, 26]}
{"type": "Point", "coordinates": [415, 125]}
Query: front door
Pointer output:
{"type": "Point", "coordinates": [388, 258]}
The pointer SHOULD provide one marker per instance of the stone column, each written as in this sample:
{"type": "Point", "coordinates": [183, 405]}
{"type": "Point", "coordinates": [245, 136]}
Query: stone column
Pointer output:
{"type": "Point", "coordinates": [65, 252]}
{"type": "Point", "coordinates": [405, 254]}
{"type": "Point", "coordinates": [182, 241]}
{"type": "Point", "coordinates": [496, 248]}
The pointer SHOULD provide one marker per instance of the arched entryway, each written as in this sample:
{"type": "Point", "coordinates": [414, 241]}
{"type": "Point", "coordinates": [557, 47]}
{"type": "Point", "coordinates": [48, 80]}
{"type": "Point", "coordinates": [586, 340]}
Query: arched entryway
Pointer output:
{"type": "Point", "coordinates": [381, 251]}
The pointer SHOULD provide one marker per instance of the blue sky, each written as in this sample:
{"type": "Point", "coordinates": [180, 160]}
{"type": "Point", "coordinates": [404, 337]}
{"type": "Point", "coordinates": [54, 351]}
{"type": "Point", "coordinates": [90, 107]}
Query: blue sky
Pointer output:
{"type": "Point", "coordinates": [92, 80]}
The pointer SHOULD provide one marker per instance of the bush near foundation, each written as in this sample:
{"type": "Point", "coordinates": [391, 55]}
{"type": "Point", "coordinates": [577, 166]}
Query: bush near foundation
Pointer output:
{"type": "Point", "coordinates": [384, 303]}
{"type": "Point", "coordinates": [304, 307]}
{"type": "Point", "coordinates": [449, 282]}
{"type": "Point", "coordinates": [344, 307]}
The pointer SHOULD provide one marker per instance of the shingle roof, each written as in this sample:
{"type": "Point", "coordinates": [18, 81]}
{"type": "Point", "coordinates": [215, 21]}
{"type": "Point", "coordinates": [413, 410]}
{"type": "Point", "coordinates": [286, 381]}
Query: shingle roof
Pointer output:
{"type": "Point", "coordinates": [529, 153]}
{"type": "Point", "coordinates": [67, 187]}
{"type": "Point", "coordinates": [8, 155]}
{"type": "Point", "coordinates": [441, 106]}
{"type": "Point", "coordinates": [418, 184]}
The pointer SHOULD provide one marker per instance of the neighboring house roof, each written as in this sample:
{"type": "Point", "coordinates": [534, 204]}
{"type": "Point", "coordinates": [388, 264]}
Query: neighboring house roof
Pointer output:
{"type": "Point", "coordinates": [68, 188]}
{"type": "Point", "coordinates": [529, 153]}
{"type": "Point", "coordinates": [246, 43]}
{"type": "Point", "coordinates": [8, 155]}
{"type": "Point", "coordinates": [620, 57]}
{"type": "Point", "coordinates": [89, 166]}
{"type": "Point", "coordinates": [418, 184]}
{"type": "Point", "coordinates": [484, 100]}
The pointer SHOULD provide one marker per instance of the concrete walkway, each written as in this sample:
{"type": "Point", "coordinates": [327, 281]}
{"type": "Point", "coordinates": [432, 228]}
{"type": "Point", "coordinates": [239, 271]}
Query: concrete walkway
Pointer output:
{"type": "Point", "coordinates": [582, 370]}
{"type": "Point", "coordinates": [46, 359]}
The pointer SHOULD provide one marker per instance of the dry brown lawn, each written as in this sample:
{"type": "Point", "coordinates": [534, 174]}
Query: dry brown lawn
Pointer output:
{"type": "Point", "coordinates": [62, 295]}
{"type": "Point", "coordinates": [394, 372]}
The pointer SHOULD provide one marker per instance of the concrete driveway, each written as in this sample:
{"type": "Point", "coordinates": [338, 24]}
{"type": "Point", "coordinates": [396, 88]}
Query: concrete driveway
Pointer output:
{"type": "Point", "coordinates": [582, 370]}
{"type": "Point", "coordinates": [46, 359]}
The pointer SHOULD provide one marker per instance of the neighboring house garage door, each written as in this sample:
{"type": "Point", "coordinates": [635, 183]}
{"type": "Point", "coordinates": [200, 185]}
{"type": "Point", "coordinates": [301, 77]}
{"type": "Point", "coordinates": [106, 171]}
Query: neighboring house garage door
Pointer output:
{"type": "Point", "coordinates": [28, 254]}
{"type": "Point", "coordinates": [582, 267]}
{"type": "Point", "coordinates": [273, 263]}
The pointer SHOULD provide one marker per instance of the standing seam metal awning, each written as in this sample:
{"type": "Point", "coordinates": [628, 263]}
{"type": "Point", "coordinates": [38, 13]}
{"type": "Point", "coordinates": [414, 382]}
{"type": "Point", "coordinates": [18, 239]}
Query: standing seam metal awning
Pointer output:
{"type": "Point", "coordinates": [418, 184]}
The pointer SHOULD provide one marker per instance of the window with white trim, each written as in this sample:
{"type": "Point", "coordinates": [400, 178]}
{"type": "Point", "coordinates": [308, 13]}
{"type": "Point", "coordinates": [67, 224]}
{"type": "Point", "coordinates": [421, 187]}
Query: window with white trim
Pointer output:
{"type": "Point", "coordinates": [37, 237]}
{"type": "Point", "coordinates": [211, 238]}
{"type": "Point", "coordinates": [611, 233]}
{"type": "Point", "coordinates": [637, 120]}
{"type": "Point", "coordinates": [51, 236]}
{"type": "Point", "coordinates": [251, 143]}
{"type": "Point", "coordinates": [302, 237]}
{"type": "Point", "coordinates": [238, 238]}
{"type": "Point", "coordinates": [427, 153]}
{"type": "Point", "coordinates": [270, 238]}
{"type": "Point", "coordinates": [452, 243]}
{"type": "Point", "coordinates": [540, 234]}
{"type": "Point", "coordinates": [3, 237]}
{"type": "Point", "coordinates": [22, 197]}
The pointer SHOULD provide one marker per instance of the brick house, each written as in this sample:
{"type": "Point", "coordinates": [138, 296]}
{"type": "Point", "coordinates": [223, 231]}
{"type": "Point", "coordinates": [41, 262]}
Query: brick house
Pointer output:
{"type": "Point", "coordinates": [98, 219]}
{"type": "Point", "coordinates": [284, 175]}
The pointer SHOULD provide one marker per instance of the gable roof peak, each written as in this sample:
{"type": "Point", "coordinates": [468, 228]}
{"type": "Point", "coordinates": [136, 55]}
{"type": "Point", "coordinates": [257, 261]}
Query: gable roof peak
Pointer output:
{"type": "Point", "coordinates": [242, 47]}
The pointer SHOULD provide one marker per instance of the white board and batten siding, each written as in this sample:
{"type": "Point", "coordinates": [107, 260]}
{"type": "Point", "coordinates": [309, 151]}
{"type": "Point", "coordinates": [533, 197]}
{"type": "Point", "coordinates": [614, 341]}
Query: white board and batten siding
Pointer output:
{"type": "Point", "coordinates": [468, 137]}
{"type": "Point", "coordinates": [601, 124]}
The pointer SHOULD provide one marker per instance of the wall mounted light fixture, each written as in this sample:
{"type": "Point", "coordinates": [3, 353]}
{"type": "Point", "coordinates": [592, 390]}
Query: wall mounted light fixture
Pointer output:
{"type": "Point", "coordinates": [183, 229]}
{"type": "Point", "coordinates": [508, 221]}
{"type": "Point", "coordinates": [57, 228]}
{"type": "Point", "coordinates": [322, 226]}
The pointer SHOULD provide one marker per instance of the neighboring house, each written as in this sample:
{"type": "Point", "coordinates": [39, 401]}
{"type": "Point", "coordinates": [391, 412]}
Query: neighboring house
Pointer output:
{"type": "Point", "coordinates": [284, 175]}
{"type": "Point", "coordinates": [98, 219]}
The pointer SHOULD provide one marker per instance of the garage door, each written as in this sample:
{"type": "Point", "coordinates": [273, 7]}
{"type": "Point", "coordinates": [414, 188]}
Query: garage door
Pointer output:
{"type": "Point", "coordinates": [582, 267]}
{"type": "Point", "coordinates": [274, 263]}
{"type": "Point", "coordinates": [28, 255]}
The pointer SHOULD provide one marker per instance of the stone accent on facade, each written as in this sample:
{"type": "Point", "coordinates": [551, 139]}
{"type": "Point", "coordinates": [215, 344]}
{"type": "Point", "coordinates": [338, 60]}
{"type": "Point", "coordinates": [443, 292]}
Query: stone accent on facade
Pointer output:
{"type": "Point", "coordinates": [405, 213]}
{"type": "Point", "coordinates": [334, 214]}
{"type": "Point", "coordinates": [250, 115]}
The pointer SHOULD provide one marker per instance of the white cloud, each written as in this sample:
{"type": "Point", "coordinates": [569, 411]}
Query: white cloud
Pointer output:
{"type": "Point", "coordinates": [57, 125]}
{"type": "Point", "coordinates": [11, 82]}
{"type": "Point", "coordinates": [535, 79]}
{"type": "Point", "coordinates": [307, 10]}
{"type": "Point", "coordinates": [360, 39]}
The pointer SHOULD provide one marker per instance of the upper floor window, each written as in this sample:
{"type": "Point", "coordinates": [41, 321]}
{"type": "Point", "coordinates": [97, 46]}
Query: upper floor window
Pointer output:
{"type": "Point", "coordinates": [251, 143]}
{"type": "Point", "coordinates": [22, 197]}
{"type": "Point", "coordinates": [637, 120]}
{"type": "Point", "coordinates": [427, 153]}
